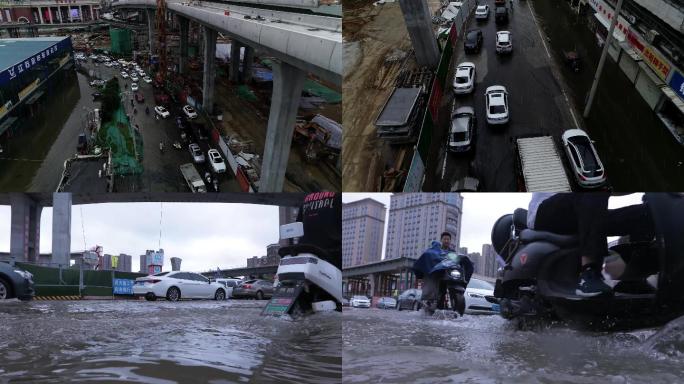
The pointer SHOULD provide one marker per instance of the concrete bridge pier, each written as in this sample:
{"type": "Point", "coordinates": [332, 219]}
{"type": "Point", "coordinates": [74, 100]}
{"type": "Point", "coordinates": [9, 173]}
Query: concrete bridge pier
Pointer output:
{"type": "Point", "coordinates": [288, 82]}
{"type": "Point", "coordinates": [61, 229]}
{"type": "Point", "coordinates": [25, 228]}
{"type": "Point", "coordinates": [208, 83]}
{"type": "Point", "coordinates": [247, 64]}
{"type": "Point", "coordinates": [184, 30]}
{"type": "Point", "coordinates": [234, 75]}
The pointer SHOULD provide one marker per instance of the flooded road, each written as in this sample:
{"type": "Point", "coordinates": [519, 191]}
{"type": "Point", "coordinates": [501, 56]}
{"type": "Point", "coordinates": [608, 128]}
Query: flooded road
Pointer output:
{"type": "Point", "coordinates": [404, 347]}
{"type": "Point", "coordinates": [164, 342]}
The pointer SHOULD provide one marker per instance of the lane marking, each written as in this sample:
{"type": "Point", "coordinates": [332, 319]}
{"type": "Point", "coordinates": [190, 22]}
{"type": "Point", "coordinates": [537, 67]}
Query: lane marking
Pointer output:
{"type": "Point", "coordinates": [539, 31]}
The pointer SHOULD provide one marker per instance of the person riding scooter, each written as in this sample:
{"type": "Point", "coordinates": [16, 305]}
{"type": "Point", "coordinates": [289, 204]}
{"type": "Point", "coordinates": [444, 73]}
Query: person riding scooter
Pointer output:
{"type": "Point", "coordinates": [147, 110]}
{"type": "Point", "coordinates": [588, 216]}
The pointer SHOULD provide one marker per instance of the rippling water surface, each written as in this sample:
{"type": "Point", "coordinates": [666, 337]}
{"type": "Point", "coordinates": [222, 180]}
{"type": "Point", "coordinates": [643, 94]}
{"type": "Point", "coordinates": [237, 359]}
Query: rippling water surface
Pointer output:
{"type": "Point", "coordinates": [404, 347]}
{"type": "Point", "coordinates": [163, 342]}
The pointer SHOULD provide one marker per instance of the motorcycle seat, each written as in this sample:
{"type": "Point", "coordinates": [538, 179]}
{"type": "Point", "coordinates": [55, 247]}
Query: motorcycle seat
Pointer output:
{"type": "Point", "coordinates": [530, 236]}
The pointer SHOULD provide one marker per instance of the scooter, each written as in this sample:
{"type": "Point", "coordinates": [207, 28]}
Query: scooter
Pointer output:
{"type": "Point", "coordinates": [147, 110]}
{"type": "Point", "coordinates": [216, 184]}
{"type": "Point", "coordinates": [207, 177]}
{"type": "Point", "coordinates": [161, 146]}
{"type": "Point", "coordinates": [540, 274]}
{"type": "Point", "coordinates": [447, 274]}
{"type": "Point", "coordinates": [307, 283]}
{"type": "Point", "coordinates": [177, 145]}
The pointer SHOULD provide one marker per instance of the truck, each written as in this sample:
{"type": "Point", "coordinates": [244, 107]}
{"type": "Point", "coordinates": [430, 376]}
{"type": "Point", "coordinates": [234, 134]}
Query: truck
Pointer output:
{"type": "Point", "coordinates": [539, 165]}
{"type": "Point", "coordinates": [192, 177]}
{"type": "Point", "coordinates": [399, 121]}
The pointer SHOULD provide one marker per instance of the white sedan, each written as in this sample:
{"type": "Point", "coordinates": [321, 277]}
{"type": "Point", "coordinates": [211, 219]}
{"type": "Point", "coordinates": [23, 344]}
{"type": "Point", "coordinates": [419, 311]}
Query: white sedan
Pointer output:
{"type": "Point", "coordinates": [134, 77]}
{"type": "Point", "coordinates": [147, 79]}
{"type": "Point", "coordinates": [196, 153]}
{"type": "Point", "coordinates": [178, 285]}
{"type": "Point", "coordinates": [134, 87]}
{"type": "Point", "coordinates": [124, 75]}
{"type": "Point", "coordinates": [360, 301]}
{"type": "Point", "coordinates": [496, 98]}
{"type": "Point", "coordinates": [482, 12]}
{"type": "Point", "coordinates": [161, 111]}
{"type": "Point", "coordinates": [475, 295]}
{"type": "Point", "coordinates": [464, 81]}
{"type": "Point", "coordinates": [216, 161]}
{"type": "Point", "coordinates": [189, 112]}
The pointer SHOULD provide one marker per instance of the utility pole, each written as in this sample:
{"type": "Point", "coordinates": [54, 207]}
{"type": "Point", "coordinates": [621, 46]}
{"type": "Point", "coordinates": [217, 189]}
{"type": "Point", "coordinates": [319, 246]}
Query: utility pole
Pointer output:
{"type": "Point", "coordinates": [602, 61]}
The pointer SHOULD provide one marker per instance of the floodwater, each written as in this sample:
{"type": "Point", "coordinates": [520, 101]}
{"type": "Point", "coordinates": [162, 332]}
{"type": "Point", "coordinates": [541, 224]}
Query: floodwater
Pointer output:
{"type": "Point", "coordinates": [164, 342]}
{"type": "Point", "coordinates": [404, 347]}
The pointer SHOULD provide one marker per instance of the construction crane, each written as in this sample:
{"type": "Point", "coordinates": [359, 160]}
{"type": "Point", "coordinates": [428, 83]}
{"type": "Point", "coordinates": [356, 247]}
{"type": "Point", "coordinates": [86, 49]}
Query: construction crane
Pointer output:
{"type": "Point", "coordinates": [160, 20]}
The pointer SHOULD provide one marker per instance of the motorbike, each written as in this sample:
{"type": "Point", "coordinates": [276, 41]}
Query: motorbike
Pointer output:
{"type": "Point", "coordinates": [147, 110]}
{"type": "Point", "coordinates": [448, 274]}
{"type": "Point", "coordinates": [216, 186]}
{"type": "Point", "coordinates": [161, 146]}
{"type": "Point", "coordinates": [207, 177]}
{"type": "Point", "coordinates": [307, 282]}
{"type": "Point", "coordinates": [177, 145]}
{"type": "Point", "coordinates": [541, 270]}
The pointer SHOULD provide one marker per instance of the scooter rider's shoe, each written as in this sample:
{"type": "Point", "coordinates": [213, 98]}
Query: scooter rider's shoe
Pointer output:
{"type": "Point", "coordinates": [591, 284]}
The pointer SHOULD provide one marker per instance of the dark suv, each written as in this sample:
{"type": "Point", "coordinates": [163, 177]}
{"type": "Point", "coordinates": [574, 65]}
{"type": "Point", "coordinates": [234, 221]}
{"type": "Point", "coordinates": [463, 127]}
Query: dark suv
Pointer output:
{"type": "Point", "coordinates": [473, 41]}
{"type": "Point", "coordinates": [501, 15]}
{"type": "Point", "coordinates": [15, 282]}
{"type": "Point", "coordinates": [255, 289]}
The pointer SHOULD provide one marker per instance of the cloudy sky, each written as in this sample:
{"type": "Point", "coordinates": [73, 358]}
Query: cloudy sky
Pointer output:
{"type": "Point", "coordinates": [204, 235]}
{"type": "Point", "coordinates": [481, 210]}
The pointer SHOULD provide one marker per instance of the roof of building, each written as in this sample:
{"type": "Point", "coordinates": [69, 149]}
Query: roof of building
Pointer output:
{"type": "Point", "coordinates": [13, 51]}
{"type": "Point", "coordinates": [364, 200]}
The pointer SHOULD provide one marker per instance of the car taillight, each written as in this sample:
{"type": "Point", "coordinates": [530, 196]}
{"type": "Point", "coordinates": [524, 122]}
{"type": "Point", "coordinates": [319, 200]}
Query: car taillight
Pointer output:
{"type": "Point", "coordinates": [247, 286]}
{"type": "Point", "coordinates": [153, 281]}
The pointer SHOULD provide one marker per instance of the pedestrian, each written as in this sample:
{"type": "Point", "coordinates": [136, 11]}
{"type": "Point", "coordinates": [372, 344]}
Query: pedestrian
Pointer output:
{"type": "Point", "coordinates": [131, 102]}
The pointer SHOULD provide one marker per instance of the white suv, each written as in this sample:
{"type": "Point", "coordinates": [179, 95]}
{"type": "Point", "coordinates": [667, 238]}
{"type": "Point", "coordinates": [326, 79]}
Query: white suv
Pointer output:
{"type": "Point", "coordinates": [504, 42]}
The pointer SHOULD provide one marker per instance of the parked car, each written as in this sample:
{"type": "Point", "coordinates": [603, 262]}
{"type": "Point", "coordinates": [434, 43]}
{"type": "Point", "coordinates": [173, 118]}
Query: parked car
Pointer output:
{"type": "Point", "coordinates": [229, 284]}
{"type": "Point", "coordinates": [360, 302]}
{"type": "Point", "coordinates": [124, 75]}
{"type": "Point", "coordinates": [147, 79]}
{"type": "Point", "coordinates": [255, 289]}
{"type": "Point", "coordinates": [482, 12]}
{"type": "Point", "coordinates": [216, 161]}
{"type": "Point", "coordinates": [464, 80]}
{"type": "Point", "coordinates": [501, 15]}
{"type": "Point", "coordinates": [15, 283]}
{"type": "Point", "coordinates": [189, 112]}
{"type": "Point", "coordinates": [196, 153]}
{"type": "Point", "coordinates": [97, 83]}
{"type": "Point", "coordinates": [504, 42]}
{"type": "Point", "coordinates": [475, 296]}
{"type": "Point", "coordinates": [161, 111]}
{"type": "Point", "coordinates": [473, 41]}
{"type": "Point", "coordinates": [178, 285]}
{"type": "Point", "coordinates": [496, 98]}
{"type": "Point", "coordinates": [462, 130]}
{"type": "Point", "coordinates": [134, 77]}
{"type": "Point", "coordinates": [139, 97]}
{"type": "Point", "coordinates": [410, 299]}
{"type": "Point", "coordinates": [386, 303]}
{"type": "Point", "coordinates": [584, 161]}
{"type": "Point", "coordinates": [345, 302]}
{"type": "Point", "coordinates": [134, 86]}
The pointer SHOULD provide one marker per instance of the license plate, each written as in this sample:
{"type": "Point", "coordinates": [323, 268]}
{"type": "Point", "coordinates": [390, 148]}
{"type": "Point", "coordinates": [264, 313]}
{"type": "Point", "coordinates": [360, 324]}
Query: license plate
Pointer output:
{"type": "Point", "coordinates": [496, 308]}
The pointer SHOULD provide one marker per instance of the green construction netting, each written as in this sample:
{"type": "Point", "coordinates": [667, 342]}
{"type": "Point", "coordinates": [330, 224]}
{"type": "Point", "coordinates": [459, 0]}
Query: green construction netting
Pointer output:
{"type": "Point", "coordinates": [118, 136]}
{"type": "Point", "coordinates": [314, 88]}
{"type": "Point", "coordinates": [246, 93]}
{"type": "Point", "coordinates": [120, 41]}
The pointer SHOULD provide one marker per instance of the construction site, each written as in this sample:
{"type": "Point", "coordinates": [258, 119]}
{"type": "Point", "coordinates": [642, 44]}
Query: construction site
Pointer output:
{"type": "Point", "coordinates": [379, 58]}
{"type": "Point", "coordinates": [233, 95]}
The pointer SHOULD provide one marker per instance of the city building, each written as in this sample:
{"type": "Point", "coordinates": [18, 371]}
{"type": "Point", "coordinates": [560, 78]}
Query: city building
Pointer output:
{"type": "Point", "coordinates": [488, 264]}
{"type": "Point", "coordinates": [363, 226]}
{"type": "Point", "coordinates": [47, 12]}
{"type": "Point", "coordinates": [417, 219]}
{"type": "Point", "coordinates": [30, 71]}
{"type": "Point", "coordinates": [648, 45]}
{"type": "Point", "coordinates": [475, 257]}
{"type": "Point", "coordinates": [176, 263]}
{"type": "Point", "coordinates": [463, 250]}
{"type": "Point", "coordinates": [272, 257]}
{"type": "Point", "coordinates": [152, 261]}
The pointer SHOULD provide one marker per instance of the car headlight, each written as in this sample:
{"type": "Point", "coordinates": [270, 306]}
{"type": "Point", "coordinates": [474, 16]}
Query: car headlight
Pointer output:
{"type": "Point", "coordinates": [455, 274]}
{"type": "Point", "coordinates": [476, 295]}
{"type": "Point", "coordinates": [24, 274]}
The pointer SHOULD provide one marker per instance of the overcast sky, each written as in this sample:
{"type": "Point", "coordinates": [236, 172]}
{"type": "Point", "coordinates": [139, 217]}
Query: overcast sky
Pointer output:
{"type": "Point", "coordinates": [204, 235]}
{"type": "Point", "coordinates": [480, 211]}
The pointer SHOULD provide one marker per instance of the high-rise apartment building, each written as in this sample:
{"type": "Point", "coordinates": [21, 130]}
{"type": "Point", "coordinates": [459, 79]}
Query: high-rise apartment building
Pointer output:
{"type": "Point", "coordinates": [363, 226]}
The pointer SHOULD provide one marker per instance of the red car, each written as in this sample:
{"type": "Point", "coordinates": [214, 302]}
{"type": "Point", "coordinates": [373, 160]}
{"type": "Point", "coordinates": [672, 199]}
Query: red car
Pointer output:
{"type": "Point", "coordinates": [139, 98]}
